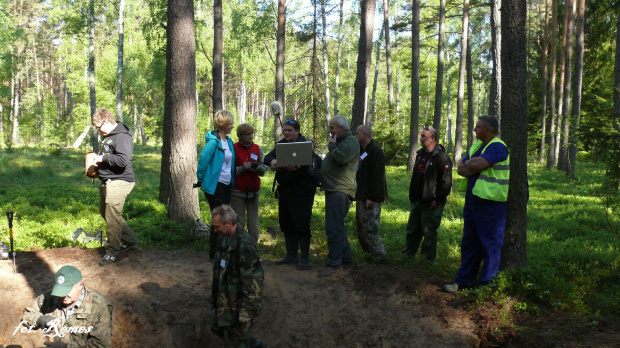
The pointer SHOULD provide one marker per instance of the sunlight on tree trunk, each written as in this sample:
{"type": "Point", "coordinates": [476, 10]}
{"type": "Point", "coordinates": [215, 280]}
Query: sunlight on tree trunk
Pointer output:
{"type": "Point", "coordinates": [178, 159]}
{"type": "Point", "coordinates": [364, 60]}
{"type": "Point", "coordinates": [514, 133]}
{"type": "Point", "coordinates": [415, 84]}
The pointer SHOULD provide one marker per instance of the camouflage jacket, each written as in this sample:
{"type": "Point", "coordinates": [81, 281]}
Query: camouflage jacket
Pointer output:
{"type": "Point", "coordinates": [237, 279]}
{"type": "Point", "coordinates": [90, 325]}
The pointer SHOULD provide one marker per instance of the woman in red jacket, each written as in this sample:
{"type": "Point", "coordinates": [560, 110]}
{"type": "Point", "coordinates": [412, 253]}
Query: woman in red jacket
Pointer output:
{"type": "Point", "coordinates": [249, 167]}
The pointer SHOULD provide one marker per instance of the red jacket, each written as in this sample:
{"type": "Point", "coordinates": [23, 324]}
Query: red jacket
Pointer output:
{"type": "Point", "coordinates": [246, 181]}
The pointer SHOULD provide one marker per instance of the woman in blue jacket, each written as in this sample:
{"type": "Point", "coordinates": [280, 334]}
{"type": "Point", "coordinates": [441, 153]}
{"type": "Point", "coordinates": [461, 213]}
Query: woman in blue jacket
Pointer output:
{"type": "Point", "coordinates": [216, 170]}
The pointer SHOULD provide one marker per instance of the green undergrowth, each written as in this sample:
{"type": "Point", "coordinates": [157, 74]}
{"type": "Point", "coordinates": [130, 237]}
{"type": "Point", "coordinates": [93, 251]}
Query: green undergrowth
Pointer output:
{"type": "Point", "coordinates": [572, 265]}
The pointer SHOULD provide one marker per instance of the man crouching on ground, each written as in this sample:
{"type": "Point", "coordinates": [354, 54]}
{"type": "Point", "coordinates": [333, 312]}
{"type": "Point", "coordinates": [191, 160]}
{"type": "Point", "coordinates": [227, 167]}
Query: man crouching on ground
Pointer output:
{"type": "Point", "coordinates": [71, 313]}
{"type": "Point", "coordinates": [237, 282]}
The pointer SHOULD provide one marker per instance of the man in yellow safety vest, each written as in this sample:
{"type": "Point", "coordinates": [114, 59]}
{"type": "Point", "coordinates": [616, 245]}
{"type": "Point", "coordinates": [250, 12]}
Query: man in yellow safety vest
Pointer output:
{"type": "Point", "coordinates": [486, 170]}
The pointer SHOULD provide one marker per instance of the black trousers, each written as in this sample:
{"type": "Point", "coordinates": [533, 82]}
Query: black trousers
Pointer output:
{"type": "Point", "coordinates": [220, 197]}
{"type": "Point", "coordinates": [295, 212]}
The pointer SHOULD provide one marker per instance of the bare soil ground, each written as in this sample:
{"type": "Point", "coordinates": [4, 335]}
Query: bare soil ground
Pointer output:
{"type": "Point", "coordinates": [161, 299]}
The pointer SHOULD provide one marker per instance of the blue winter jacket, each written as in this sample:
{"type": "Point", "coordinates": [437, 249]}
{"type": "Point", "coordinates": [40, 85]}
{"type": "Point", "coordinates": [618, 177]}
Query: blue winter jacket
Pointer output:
{"type": "Point", "coordinates": [211, 160]}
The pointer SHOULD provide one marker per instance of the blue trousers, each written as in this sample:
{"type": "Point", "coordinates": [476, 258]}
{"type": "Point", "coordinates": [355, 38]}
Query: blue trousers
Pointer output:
{"type": "Point", "coordinates": [483, 237]}
{"type": "Point", "coordinates": [337, 206]}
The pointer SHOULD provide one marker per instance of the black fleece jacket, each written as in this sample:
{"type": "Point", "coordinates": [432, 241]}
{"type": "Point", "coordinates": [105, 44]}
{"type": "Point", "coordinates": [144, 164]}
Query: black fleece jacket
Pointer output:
{"type": "Point", "coordinates": [437, 176]}
{"type": "Point", "coordinates": [117, 151]}
{"type": "Point", "coordinates": [371, 182]}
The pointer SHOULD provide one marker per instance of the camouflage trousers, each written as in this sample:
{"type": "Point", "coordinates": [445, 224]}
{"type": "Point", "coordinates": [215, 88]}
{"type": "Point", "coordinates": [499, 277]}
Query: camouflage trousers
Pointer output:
{"type": "Point", "coordinates": [368, 227]}
{"type": "Point", "coordinates": [238, 336]}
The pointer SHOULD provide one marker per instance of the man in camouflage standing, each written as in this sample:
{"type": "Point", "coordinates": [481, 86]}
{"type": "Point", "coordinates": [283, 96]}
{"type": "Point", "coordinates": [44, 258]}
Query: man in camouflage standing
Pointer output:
{"type": "Point", "coordinates": [237, 282]}
{"type": "Point", "coordinates": [371, 191]}
{"type": "Point", "coordinates": [82, 313]}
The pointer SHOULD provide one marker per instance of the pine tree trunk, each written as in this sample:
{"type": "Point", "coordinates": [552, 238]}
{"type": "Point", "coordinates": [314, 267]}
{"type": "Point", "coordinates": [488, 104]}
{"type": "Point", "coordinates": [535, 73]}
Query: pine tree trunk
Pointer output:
{"type": "Point", "coordinates": [91, 74]}
{"type": "Point", "coordinates": [376, 78]}
{"type": "Point", "coordinates": [470, 96]}
{"type": "Point", "coordinates": [543, 113]}
{"type": "Point", "coordinates": [613, 166]}
{"type": "Point", "coordinates": [388, 54]}
{"type": "Point", "coordinates": [338, 57]}
{"type": "Point", "coordinates": [440, 53]}
{"type": "Point", "coordinates": [415, 84]}
{"type": "Point", "coordinates": [496, 75]}
{"type": "Point", "coordinates": [364, 60]}
{"type": "Point", "coordinates": [563, 64]}
{"type": "Point", "coordinates": [514, 133]}
{"type": "Point", "coordinates": [178, 161]}
{"type": "Point", "coordinates": [551, 154]}
{"type": "Point", "coordinates": [325, 62]}
{"type": "Point", "coordinates": [458, 132]}
{"type": "Point", "coordinates": [578, 82]}
{"type": "Point", "coordinates": [217, 74]}
{"type": "Point", "coordinates": [280, 50]}
{"type": "Point", "coordinates": [563, 156]}
{"type": "Point", "coordinates": [448, 133]}
{"type": "Point", "coordinates": [119, 69]}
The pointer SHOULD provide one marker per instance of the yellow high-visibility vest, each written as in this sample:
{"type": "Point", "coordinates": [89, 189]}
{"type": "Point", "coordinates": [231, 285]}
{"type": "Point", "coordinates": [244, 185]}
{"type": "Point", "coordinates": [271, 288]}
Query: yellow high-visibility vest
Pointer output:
{"type": "Point", "coordinates": [492, 184]}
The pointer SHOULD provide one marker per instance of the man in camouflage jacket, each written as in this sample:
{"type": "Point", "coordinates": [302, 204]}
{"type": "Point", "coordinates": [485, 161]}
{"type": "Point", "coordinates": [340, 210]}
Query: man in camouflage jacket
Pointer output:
{"type": "Point", "coordinates": [237, 282]}
{"type": "Point", "coordinates": [71, 314]}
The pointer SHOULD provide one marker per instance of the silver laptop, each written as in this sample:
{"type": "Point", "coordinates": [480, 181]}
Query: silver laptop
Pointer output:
{"type": "Point", "coordinates": [299, 153]}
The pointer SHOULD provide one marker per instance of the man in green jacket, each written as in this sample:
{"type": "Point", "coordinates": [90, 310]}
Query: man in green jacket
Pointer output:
{"type": "Point", "coordinates": [338, 181]}
{"type": "Point", "coordinates": [237, 282]}
{"type": "Point", "coordinates": [71, 314]}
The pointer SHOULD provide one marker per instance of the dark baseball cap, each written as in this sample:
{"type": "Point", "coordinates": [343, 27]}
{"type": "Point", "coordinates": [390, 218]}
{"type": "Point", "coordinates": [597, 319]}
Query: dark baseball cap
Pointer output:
{"type": "Point", "coordinates": [65, 278]}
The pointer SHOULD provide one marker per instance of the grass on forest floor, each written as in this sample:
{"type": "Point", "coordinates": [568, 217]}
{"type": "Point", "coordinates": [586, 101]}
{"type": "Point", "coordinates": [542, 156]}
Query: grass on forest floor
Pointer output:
{"type": "Point", "coordinates": [572, 263]}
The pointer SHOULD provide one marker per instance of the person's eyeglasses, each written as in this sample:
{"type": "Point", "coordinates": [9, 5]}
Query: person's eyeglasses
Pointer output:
{"type": "Point", "coordinates": [249, 134]}
{"type": "Point", "coordinates": [99, 126]}
{"type": "Point", "coordinates": [290, 121]}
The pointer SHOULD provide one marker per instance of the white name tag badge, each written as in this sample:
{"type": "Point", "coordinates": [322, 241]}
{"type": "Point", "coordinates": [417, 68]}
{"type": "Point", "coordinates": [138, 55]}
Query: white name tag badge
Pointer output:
{"type": "Point", "coordinates": [253, 156]}
{"type": "Point", "coordinates": [223, 263]}
{"type": "Point", "coordinates": [363, 155]}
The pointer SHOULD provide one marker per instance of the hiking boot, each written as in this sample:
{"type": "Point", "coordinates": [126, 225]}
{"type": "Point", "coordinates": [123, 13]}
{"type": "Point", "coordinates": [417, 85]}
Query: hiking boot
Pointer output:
{"type": "Point", "coordinates": [125, 247]}
{"type": "Point", "coordinates": [107, 259]}
{"type": "Point", "coordinates": [408, 252]}
{"type": "Point", "coordinates": [452, 287]}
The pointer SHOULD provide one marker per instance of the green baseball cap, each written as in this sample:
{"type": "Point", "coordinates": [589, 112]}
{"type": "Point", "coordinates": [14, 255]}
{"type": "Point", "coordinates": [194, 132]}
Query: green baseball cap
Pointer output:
{"type": "Point", "coordinates": [66, 277]}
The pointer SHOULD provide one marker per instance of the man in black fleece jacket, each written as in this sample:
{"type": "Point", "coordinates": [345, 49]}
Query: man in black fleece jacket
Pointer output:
{"type": "Point", "coordinates": [431, 182]}
{"type": "Point", "coordinates": [115, 173]}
